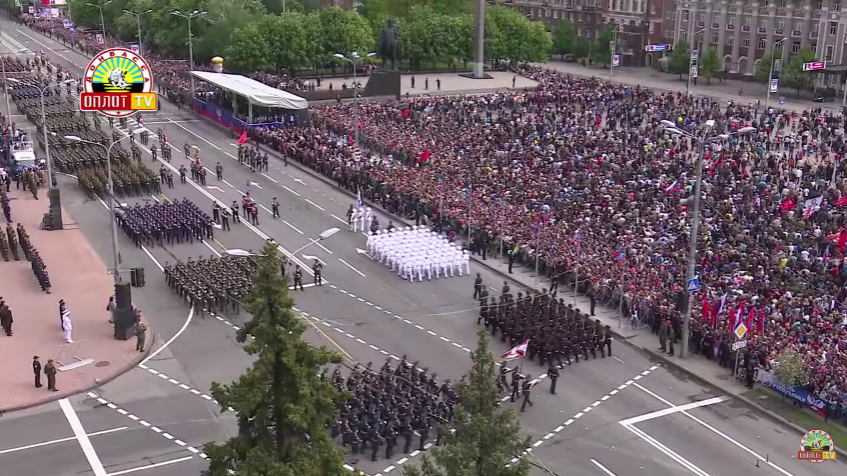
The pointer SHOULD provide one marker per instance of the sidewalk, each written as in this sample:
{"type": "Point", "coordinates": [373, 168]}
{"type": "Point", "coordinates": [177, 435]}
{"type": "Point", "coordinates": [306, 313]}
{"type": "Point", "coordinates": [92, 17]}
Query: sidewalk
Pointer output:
{"type": "Point", "coordinates": [78, 276]}
{"type": "Point", "coordinates": [723, 90]}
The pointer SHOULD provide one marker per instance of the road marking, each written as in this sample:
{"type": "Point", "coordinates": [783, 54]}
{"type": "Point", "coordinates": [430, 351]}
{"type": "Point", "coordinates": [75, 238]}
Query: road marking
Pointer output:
{"type": "Point", "coordinates": [266, 209]}
{"type": "Point", "coordinates": [82, 438]}
{"type": "Point", "coordinates": [602, 468]}
{"type": "Point", "coordinates": [269, 178]}
{"type": "Point", "coordinates": [319, 245]}
{"type": "Point", "coordinates": [292, 191]}
{"type": "Point", "coordinates": [60, 440]}
{"type": "Point", "coordinates": [170, 341]}
{"type": "Point", "coordinates": [155, 199]}
{"type": "Point", "coordinates": [293, 227]}
{"type": "Point", "coordinates": [672, 410]}
{"type": "Point", "coordinates": [339, 219]}
{"type": "Point", "coordinates": [151, 466]}
{"type": "Point", "coordinates": [224, 181]}
{"type": "Point", "coordinates": [667, 451]}
{"type": "Point", "coordinates": [351, 267]}
{"type": "Point", "coordinates": [193, 133]}
{"type": "Point", "coordinates": [619, 360]}
{"type": "Point", "coordinates": [210, 247]}
{"type": "Point", "coordinates": [145, 424]}
{"type": "Point", "coordinates": [716, 431]}
{"type": "Point", "coordinates": [316, 205]}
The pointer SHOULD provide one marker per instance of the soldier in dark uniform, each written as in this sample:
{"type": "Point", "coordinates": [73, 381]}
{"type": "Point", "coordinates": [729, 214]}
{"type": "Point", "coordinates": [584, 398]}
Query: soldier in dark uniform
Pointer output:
{"type": "Point", "coordinates": [553, 373]}
{"type": "Point", "coordinates": [13, 241]}
{"type": "Point", "coordinates": [50, 372]}
{"type": "Point", "coordinates": [275, 207]}
{"type": "Point", "coordinates": [298, 278]}
{"type": "Point", "coordinates": [527, 386]}
{"type": "Point", "coordinates": [607, 341]}
{"type": "Point", "coordinates": [516, 385]}
{"type": "Point", "coordinates": [477, 286]}
{"type": "Point", "coordinates": [219, 171]}
{"type": "Point", "coordinates": [225, 219]}
{"type": "Point", "coordinates": [501, 378]}
{"type": "Point", "coordinates": [317, 268]}
{"type": "Point", "coordinates": [36, 370]}
{"type": "Point", "coordinates": [234, 208]}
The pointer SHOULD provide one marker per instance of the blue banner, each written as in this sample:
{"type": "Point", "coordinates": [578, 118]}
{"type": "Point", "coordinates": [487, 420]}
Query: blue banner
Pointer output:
{"type": "Point", "coordinates": [225, 118]}
{"type": "Point", "coordinates": [797, 394]}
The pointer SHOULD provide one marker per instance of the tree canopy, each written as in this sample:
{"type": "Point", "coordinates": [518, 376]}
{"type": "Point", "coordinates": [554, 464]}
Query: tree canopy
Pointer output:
{"type": "Point", "coordinates": [283, 405]}
{"type": "Point", "coordinates": [259, 35]}
{"type": "Point", "coordinates": [710, 64]}
{"type": "Point", "coordinates": [680, 59]}
{"type": "Point", "coordinates": [793, 75]}
{"type": "Point", "coordinates": [487, 435]}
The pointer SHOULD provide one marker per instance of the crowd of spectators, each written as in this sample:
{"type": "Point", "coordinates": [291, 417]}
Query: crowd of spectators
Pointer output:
{"type": "Point", "coordinates": [583, 174]}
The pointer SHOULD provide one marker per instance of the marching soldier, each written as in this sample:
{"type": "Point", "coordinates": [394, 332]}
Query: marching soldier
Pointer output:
{"type": "Point", "coordinates": [298, 278]}
{"type": "Point", "coordinates": [219, 171]}
{"type": "Point", "coordinates": [553, 373]}
{"type": "Point", "coordinates": [317, 268]}
{"type": "Point", "coordinates": [477, 286]}
{"type": "Point", "coordinates": [527, 386]}
{"type": "Point", "coordinates": [13, 242]}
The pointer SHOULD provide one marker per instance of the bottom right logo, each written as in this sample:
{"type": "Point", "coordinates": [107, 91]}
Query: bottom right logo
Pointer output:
{"type": "Point", "coordinates": [816, 447]}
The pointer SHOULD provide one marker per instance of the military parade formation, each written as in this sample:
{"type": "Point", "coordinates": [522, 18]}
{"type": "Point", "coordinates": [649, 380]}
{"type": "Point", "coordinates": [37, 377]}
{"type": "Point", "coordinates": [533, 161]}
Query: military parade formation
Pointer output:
{"type": "Point", "coordinates": [16, 245]}
{"type": "Point", "coordinates": [217, 285]}
{"type": "Point", "coordinates": [404, 405]}
{"type": "Point", "coordinates": [176, 222]}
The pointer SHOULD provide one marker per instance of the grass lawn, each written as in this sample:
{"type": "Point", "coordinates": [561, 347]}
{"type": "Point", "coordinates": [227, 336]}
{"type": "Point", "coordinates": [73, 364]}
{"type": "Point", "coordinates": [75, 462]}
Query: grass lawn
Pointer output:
{"type": "Point", "coordinates": [797, 415]}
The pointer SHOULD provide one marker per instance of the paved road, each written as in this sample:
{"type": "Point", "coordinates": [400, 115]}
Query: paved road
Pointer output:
{"type": "Point", "coordinates": [374, 315]}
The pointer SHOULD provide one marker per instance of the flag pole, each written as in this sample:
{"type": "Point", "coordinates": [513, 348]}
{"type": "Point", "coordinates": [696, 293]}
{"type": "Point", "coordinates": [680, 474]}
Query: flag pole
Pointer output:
{"type": "Point", "coordinates": [623, 293]}
{"type": "Point", "coordinates": [576, 273]}
{"type": "Point", "coordinates": [470, 215]}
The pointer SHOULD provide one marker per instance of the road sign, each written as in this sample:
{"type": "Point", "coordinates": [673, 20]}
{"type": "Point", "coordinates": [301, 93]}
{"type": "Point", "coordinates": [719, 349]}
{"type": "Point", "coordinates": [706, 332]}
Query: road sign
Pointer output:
{"type": "Point", "coordinates": [774, 85]}
{"type": "Point", "coordinates": [616, 60]}
{"type": "Point", "coordinates": [739, 344]}
{"type": "Point", "coordinates": [695, 55]}
{"type": "Point", "coordinates": [814, 66]}
{"type": "Point", "coordinates": [660, 47]}
{"type": "Point", "coordinates": [740, 330]}
{"type": "Point", "coordinates": [693, 285]}
{"type": "Point", "coordinates": [693, 73]}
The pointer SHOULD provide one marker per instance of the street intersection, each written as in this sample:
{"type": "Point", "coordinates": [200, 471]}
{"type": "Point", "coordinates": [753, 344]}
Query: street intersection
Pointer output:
{"type": "Point", "coordinates": [615, 416]}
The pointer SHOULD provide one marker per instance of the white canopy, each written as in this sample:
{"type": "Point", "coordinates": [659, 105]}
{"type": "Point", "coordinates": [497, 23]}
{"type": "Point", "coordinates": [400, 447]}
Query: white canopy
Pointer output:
{"type": "Point", "coordinates": [257, 93]}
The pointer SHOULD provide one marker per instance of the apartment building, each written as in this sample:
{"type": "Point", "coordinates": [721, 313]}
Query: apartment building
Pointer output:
{"type": "Point", "coordinates": [585, 14]}
{"type": "Point", "coordinates": [745, 30]}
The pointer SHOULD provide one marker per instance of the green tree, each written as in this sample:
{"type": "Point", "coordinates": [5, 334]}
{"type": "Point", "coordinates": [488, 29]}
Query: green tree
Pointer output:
{"type": "Point", "coordinates": [282, 404]}
{"type": "Point", "coordinates": [564, 39]}
{"type": "Point", "coordinates": [342, 31]}
{"type": "Point", "coordinates": [428, 38]}
{"type": "Point", "coordinates": [86, 15]}
{"type": "Point", "coordinates": [600, 52]}
{"type": "Point", "coordinates": [710, 64]}
{"type": "Point", "coordinates": [790, 369]}
{"type": "Point", "coordinates": [487, 435]}
{"type": "Point", "coordinates": [581, 47]}
{"type": "Point", "coordinates": [288, 37]}
{"type": "Point", "coordinates": [680, 59]}
{"type": "Point", "coordinates": [516, 38]}
{"type": "Point", "coordinates": [793, 75]}
{"type": "Point", "coordinates": [763, 68]}
{"type": "Point", "coordinates": [248, 49]}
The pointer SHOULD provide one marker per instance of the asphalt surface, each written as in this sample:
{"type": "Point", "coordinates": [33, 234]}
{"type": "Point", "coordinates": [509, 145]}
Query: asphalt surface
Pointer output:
{"type": "Point", "coordinates": [374, 315]}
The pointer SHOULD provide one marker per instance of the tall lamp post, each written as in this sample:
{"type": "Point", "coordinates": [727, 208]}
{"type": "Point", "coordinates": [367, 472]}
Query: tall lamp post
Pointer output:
{"type": "Point", "coordinates": [692, 58]}
{"type": "Point", "coordinates": [702, 141]}
{"type": "Point", "coordinates": [100, 7]}
{"type": "Point", "coordinates": [189, 17]}
{"type": "Point", "coordinates": [116, 265]}
{"type": "Point", "coordinates": [770, 74]}
{"type": "Point", "coordinates": [613, 47]}
{"type": "Point", "coordinates": [354, 59]}
{"type": "Point", "coordinates": [138, 22]}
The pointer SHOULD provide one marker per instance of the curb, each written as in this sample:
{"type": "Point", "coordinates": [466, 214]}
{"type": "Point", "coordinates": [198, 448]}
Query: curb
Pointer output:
{"type": "Point", "coordinates": [773, 416]}
{"type": "Point", "coordinates": [124, 369]}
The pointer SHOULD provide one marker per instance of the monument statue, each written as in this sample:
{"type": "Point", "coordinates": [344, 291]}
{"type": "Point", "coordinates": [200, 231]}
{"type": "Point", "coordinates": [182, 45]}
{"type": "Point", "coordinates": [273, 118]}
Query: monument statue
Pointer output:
{"type": "Point", "coordinates": [388, 48]}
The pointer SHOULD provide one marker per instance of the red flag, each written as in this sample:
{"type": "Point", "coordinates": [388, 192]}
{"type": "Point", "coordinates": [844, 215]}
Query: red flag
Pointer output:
{"type": "Point", "coordinates": [788, 205]}
{"type": "Point", "coordinates": [732, 317]}
{"type": "Point", "coordinates": [243, 139]}
{"type": "Point", "coordinates": [841, 201]}
{"type": "Point", "coordinates": [760, 324]}
{"type": "Point", "coordinates": [707, 311]}
{"type": "Point", "coordinates": [750, 317]}
{"type": "Point", "coordinates": [405, 112]}
{"type": "Point", "coordinates": [842, 240]}
{"type": "Point", "coordinates": [424, 156]}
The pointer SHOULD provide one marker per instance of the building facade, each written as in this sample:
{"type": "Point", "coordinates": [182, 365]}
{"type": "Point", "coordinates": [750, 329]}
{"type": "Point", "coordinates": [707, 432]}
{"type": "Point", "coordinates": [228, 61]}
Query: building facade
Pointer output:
{"type": "Point", "coordinates": [745, 30]}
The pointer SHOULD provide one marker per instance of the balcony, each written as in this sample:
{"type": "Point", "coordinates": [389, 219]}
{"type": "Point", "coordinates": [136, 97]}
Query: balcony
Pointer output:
{"type": "Point", "coordinates": [779, 32]}
{"type": "Point", "coordinates": [781, 12]}
{"type": "Point", "coordinates": [796, 33]}
{"type": "Point", "coordinates": [716, 26]}
{"type": "Point", "coordinates": [762, 30]}
{"type": "Point", "coordinates": [730, 28]}
{"type": "Point", "coordinates": [747, 9]}
{"type": "Point", "coordinates": [745, 27]}
{"type": "Point", "coordinates": [731, 8]}
{"type": "Point", "coordinates": [701, 24]}
{"type": "Point", "coordinates": [813, 35]}
{"type": "Point", "coordinates": [816, 15]}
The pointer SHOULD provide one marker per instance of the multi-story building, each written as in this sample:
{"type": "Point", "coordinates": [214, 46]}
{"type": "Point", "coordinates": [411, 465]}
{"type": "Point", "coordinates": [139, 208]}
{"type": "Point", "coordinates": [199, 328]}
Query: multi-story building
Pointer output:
{"type": "Point", "coordinates": [745, 30]}
{"type": "Point", "coordinates": [586, 15]}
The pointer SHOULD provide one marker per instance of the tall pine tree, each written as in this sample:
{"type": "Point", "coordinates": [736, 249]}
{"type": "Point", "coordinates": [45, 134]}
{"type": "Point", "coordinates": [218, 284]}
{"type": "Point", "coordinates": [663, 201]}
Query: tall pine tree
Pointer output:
{"type": "Point", "coordinates": [283, 406]}
{"type": "Point", "coordinates": [487, 435]}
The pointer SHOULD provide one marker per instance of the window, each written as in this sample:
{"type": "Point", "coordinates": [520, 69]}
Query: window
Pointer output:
{"type": "Point", "coordinates": [652, 9]}
{"type": "Point", "coordinates": [798, 26]}
{"type": "Point", "coordinates": [685, 16]}
{"type": "Point", "coordinates": [714, 39]}
{"type": "Point", "coordinates": [745, 42]}
{"type": "Point", "coordinates": [731, 21]}
{"type": "Point", "coordinates": [671, 15]}
{"type": "Point", "coordinates": [819, 5]}
{"type": "Point", "coordinates": [701, 18]}
{"type": "Point", "coordinates": [763, 23]}
{"type": "Point", "coordinates": [815, 48]}
{"type": "Point", "coordinates": [795, 47]}
{"type": "Point", "coordinates": [716, 19]}
{"type": "Point", "coordinates": [668, 33]}
{"type": "Point", "coordinates": [683, 35]}
{"type": "Point", "coordinates": [829, 49]}
{"type": "Point", "coordinates": [767, 3]}
{"type": "Point", "coordinates": [763, 43]}
{"type": "Point", "coordinates": [783, 3]}
{"type": "Point", "coordinates": [833, 27]}
{"type": "Point", "coordinates": [729, 40]}
{"type": "Point", "coordinates": [748, 21]}
{"type": "Point", "coordinates": [836, 7]}
{"type": "Point", "coordinates": [780, 25]}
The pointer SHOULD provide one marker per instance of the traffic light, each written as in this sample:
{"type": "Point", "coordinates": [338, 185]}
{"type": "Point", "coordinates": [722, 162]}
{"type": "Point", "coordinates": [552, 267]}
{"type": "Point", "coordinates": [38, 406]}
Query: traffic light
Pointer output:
{"type": "Point", "coordinates": [139, 272]}
{"type": "Point", "coordinates": [133, 277]}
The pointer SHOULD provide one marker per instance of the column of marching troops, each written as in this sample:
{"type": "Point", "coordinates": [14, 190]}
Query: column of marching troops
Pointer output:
{"type": "Point", "coordinates": [172, 223]}
{"type": "Point", "coordinates": [253, 158]}
{"type": "Point", "coordinates": [401, 405]}
{"type": "Point", "coordinates": [214, 284]}
{"type": "Point", "coordinates": [557, 332]}
{"type": "Point", "coordinates": [15, 242]}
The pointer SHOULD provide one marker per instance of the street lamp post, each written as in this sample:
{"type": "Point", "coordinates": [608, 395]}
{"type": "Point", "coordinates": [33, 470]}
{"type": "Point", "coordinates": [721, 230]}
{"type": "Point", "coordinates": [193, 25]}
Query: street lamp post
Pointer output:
{"type": "Point", "coordinates": [100, 7]}
{"type": "Point", "coordinates": [770, 74]}
{"type": "Point", "coordinates": [354, 59]}
{"type": "Point", "coordinates": [691, 58]}
{"type": "Point", "coordinates": [613, 46]}
{"type": "Point", "coordinates": [138, 22]}
{"type": "Point", "coordinates": [189, 17]}
{"type": "Point", "coordinates": [702, 141]}
{"type": "Point", "coordinates": [116, 270]}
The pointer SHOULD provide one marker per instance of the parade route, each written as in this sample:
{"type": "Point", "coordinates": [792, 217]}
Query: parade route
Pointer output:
{"type": "Point", "coordinates": [602, 420]}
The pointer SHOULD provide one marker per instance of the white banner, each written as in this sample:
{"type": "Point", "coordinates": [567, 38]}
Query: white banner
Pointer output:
{"type": "Point", "coordinates": [774, 85]}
